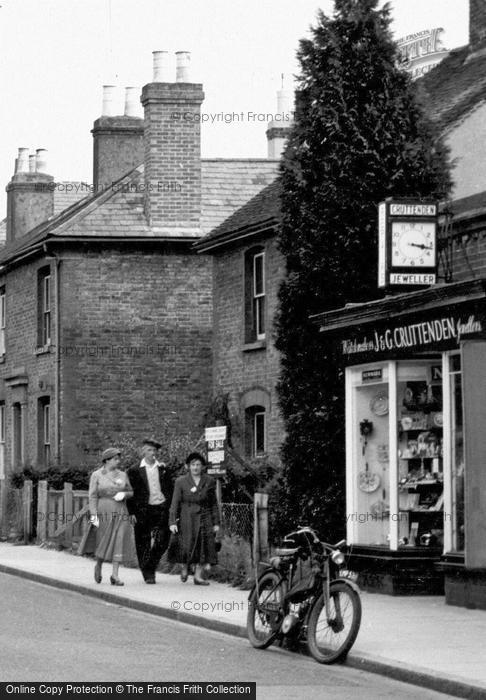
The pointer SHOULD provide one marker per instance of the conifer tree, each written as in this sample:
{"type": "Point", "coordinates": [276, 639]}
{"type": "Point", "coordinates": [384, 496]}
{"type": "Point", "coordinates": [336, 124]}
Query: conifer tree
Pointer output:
{"type": "Point", "coordinates": [360, 135]}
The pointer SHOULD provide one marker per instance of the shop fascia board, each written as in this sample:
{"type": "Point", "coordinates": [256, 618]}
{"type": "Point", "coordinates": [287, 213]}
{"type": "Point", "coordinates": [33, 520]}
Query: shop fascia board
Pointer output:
{"type": "Point", "coordinates": [400, 305]}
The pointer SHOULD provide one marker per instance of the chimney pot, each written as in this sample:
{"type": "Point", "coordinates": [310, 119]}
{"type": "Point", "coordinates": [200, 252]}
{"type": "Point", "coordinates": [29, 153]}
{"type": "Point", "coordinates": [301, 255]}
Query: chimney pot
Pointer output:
{"type": "Point", "coordinates": [40, 160]}
{"type": "Point", "coordinates": [108, 108]}
{"type": "Point", "coordinates": [32, 159]}
{"type": "Point", "coordinates": [23, 161]}
{"type": "Point", "coordinates": [284, 101]}
{"type": "Point", "coordinates": [132, 102]}
{"type": "Point", "coordinates": [161, 67]}
{"type": "Point", "coordinates": [183, 60]}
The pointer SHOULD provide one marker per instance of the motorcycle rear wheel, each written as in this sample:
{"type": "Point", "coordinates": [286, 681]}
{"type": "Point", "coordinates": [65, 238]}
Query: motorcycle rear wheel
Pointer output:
{"type": "Point", "coordinates": [330, 641]}
{"type": "Point", "coordinates": [265, 610]}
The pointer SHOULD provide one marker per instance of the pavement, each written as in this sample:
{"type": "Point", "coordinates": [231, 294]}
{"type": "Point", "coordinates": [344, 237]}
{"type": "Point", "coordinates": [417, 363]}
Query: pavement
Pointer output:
{"type": "Point", "coordinates": [416, 639]}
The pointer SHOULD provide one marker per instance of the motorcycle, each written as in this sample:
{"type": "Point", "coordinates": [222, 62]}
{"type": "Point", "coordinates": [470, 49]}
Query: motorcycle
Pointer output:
{"type": "Point", "coordinates": [302, 596]}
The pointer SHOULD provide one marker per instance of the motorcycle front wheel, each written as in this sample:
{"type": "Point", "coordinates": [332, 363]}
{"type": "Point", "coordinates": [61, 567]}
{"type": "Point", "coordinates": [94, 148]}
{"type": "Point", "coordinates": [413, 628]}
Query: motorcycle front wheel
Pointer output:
{"type": "Point", "coordinates": [329, 640]}
{"type": "Point", "coordinates": [265, 610]}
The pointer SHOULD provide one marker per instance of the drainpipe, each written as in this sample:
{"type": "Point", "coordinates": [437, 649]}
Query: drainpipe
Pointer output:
{"type": "Point", "coordinates": [58, 363]}
{"type": "Point", "coordinates": [57, 359]}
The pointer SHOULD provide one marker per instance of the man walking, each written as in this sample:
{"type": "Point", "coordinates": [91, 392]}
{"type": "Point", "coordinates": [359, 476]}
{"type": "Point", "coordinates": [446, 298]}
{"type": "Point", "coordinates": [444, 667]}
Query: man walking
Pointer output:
{"type": "Point", "coordinates": [152, 494]}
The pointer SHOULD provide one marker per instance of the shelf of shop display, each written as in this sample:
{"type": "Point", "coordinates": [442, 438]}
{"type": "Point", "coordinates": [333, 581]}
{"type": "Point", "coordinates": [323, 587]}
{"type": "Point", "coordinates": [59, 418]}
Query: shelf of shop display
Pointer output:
{"type": "Point", "coordinates": [417, 457]}
{"type": "Point", "coordinates": [420, 482]}
{"type": "Point", "coordinates": [432, 509]}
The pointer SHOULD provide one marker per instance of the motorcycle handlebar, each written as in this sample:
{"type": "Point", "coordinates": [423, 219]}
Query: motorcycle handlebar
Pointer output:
{"type": "Point", "coordinates": [306, 528]}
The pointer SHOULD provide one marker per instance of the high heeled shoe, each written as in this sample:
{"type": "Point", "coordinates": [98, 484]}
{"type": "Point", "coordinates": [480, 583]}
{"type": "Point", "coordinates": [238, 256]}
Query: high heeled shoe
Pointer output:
{"type": "Point", "coordinates": [97, 572]}
{"type": "Point", "coordinates": [116, 581]}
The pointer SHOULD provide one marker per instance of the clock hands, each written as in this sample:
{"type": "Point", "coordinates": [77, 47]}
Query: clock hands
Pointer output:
{"type": "Point", "coordinates": [421, 245]}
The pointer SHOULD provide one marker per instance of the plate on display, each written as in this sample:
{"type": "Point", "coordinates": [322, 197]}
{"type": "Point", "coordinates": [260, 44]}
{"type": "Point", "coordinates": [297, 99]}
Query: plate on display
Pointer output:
{"type": "Point", "coordinates": [438, 420]}
{"type": "Point", "coordinates": [368, 481]}
{"type": "Point", "coordinates": [407, 423]}
{"type": "Point", "coordinates": [379, 404]}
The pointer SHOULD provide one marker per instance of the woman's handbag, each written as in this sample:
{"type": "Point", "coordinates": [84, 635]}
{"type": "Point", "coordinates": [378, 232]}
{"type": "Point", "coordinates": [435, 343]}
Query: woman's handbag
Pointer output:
{"type": "Point", "coordinates": [174, 548]}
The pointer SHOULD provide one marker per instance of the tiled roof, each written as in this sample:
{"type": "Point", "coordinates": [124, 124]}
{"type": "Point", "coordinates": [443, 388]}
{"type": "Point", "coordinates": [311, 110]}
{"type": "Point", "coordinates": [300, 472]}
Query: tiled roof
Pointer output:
{"type": "Point", "coordinates": [263, 211]}
{"type": "Point", "coordinates": [468, 205]}
{"type": "Point", "coordinates": [455, 87]}
{"type": "Point", "coordinates": [68, 193]}
{"type": "Point", "coordinates": [229, 184]}
{"type": "Point", "coordinates": [118, 211]}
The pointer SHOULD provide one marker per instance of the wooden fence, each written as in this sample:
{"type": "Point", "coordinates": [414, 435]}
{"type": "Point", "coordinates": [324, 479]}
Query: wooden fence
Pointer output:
{"type": "Point", "coordinates": [43, 514]}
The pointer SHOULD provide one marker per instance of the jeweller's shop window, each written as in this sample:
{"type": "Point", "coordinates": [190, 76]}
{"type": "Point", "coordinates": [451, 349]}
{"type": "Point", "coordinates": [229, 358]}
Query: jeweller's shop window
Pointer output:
{"type": "Point", "coordinates": [368, 510]}
{"type": "Point", "coordinates": [420, 454]}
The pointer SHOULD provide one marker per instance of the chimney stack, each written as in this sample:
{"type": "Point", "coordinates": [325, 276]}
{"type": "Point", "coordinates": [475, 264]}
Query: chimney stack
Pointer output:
{"type": "Point", "coordinates": [30, 194]}
{"type": "Point", "coordinates": [477, 25]}
{"type": "Point", "coordinates": [117, 137]}
{"type": "Point", "coordinates": [278, 128]}
{"type": "Point", "coordinates": [172, 139]}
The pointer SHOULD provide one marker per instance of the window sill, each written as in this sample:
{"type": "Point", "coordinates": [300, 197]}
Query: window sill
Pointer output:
{"type": "Point", "coordinates": [43, 349]}
{"type": "Point", "coordinates": [255, 345]}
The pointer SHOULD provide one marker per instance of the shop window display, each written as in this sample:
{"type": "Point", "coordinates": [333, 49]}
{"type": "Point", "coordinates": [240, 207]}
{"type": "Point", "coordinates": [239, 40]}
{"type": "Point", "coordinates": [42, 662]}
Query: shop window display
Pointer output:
{"type": "Point", "coordinates": [420, 453]}
{"type": "Point", "coordinates": [395, 494]}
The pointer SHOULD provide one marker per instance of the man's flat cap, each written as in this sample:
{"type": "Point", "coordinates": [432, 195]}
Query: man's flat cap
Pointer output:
{"type": "Point", "coordinates": [152, 443]}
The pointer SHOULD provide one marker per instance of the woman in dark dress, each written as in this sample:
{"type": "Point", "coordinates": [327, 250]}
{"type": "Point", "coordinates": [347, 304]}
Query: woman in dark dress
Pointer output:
{"type": "Point", "coordinates": [194, 515]}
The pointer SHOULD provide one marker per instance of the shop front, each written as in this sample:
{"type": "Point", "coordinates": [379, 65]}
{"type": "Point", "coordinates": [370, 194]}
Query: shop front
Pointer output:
{"type": "Point", "coordinates": [415, 397]}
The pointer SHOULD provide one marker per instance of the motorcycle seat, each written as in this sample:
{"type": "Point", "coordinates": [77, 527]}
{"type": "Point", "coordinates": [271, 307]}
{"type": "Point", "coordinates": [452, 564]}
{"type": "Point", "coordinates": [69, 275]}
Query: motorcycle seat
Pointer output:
{"type": "Point", "coordinates": [285, 551]}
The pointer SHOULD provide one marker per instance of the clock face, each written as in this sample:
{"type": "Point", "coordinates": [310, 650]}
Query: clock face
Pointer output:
{"type": "Point", "coordinates": [413, 244]}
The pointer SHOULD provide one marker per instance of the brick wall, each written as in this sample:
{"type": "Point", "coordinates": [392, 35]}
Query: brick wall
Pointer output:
{"type": "Point", "coordinates": [237, 371]}
{"type": "Point", "coordinates": [136, 346]}
{"type": "Point", "coordinates": [25, 374]}
{"type": "Point", "coordinates": [469, 257]}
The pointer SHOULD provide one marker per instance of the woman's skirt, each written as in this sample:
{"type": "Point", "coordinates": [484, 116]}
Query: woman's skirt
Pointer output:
{"type": "Point", "coordinates": [195, 541]}
{"type": "Point", "coordinates": [111, 540]}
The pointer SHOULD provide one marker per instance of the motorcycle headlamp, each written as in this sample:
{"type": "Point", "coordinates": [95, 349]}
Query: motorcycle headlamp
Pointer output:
{"type": "Point", "coordinates": [337, 557]}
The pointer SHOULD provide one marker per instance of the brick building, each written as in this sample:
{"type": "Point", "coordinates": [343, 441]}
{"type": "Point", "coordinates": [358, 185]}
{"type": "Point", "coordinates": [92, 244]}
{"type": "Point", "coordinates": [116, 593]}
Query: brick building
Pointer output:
{"type": "Point", "coordinates": [247, 271]}
{"type": "Point", "coordinates": [106, 307]}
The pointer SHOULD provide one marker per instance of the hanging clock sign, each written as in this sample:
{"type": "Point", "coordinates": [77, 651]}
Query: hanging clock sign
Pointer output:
{"type": "Point", "coordinates": [407, 243]}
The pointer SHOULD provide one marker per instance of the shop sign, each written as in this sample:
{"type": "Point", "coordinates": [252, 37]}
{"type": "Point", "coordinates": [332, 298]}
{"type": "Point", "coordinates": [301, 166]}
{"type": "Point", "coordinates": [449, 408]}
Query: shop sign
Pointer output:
{"type": "Point", "coordinates": [216, 456]}
{"type": "Point", "coordinates": [413, 279]}
{"type": "Point", "coordinates": [216, 433]}
{"type": "Point", "coordinates": [404, 209]}
{"type": "Point", "coordinates": [372, 375]}
{"type": "Point", "coordinates": [450, 329]}
{"type": "Point", "coordinates": [436, 373]}
{"type": "Point", "coordinates": [216, 471]}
